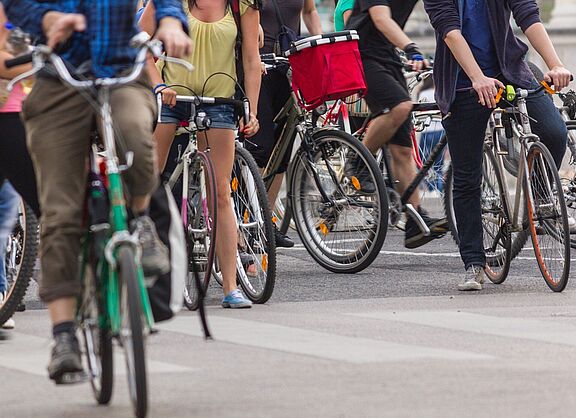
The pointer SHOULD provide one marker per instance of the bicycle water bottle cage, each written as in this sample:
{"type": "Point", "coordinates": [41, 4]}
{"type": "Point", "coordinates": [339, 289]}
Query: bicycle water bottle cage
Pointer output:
{"type": "Point", "coordinates": [510, 93]}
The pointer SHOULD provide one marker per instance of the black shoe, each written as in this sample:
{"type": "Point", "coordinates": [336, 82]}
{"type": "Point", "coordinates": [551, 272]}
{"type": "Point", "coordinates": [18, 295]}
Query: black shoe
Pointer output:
{"type": "Point", "coordinates": [356, 170]}
{"type": "Point", "coordinates": [282, 240]}
{"type": "Point", "coordinates": [66, 363]}
{"type": "Point", "coordinates": [415, 238]}
{"type": "Point", "coordinates": [155, 256]}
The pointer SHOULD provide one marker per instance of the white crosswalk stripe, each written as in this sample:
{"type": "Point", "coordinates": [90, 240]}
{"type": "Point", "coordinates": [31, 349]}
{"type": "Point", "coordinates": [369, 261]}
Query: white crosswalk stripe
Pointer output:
{"type": "Point", "coordinates": [313, 343]}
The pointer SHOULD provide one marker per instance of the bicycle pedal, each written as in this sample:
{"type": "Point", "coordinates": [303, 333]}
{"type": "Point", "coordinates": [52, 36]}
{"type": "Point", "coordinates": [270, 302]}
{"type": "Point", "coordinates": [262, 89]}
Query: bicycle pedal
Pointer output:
{"type": "Point", "coordinates": [72, 378]}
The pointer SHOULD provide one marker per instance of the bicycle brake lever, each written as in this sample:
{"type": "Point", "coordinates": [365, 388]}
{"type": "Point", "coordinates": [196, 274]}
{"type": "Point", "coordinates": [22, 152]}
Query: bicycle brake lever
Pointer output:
{"type": "Point", "coordinates": [129, 161]}
{"type": "Point", "coordinates": [178, 61]}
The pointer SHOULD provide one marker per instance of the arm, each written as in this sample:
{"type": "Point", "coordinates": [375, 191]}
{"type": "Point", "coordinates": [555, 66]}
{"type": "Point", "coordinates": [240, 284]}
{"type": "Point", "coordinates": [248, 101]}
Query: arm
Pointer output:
{"type": "Point", "coordinates": [484, 86]}
{"type": "Point", "coordinates": [172, 27]}
{"type": "Point", "coordinates": [539, 39]}
{"type": "Point", "coordinates": [311, 17]}
{"type": "Point", "coordinates": [346, 15]}
{"type": "Point", "coordinates": [148, 24]}
{"type": "Point", "coordinates": [250, 23]}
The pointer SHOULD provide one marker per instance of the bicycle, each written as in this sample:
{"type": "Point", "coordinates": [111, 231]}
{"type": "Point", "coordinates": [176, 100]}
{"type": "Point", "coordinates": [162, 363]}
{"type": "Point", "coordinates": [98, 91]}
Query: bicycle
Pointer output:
{"type": "Point", "coordinates": [428, 149]}
{"type": "Point", "coordinates": [256, 262]}
{"type": "Point", "coordinates": [114, 302]}
{"type": "Point", "coordinates": [542, 214]}
{"type": "Point", "coordinates": [340, 224]}
{"type": "Point", "coordinates": [21, 253]}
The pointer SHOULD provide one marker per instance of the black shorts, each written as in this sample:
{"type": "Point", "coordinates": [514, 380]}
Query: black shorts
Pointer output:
{"type": "Point", "coordinates": [387, 89]}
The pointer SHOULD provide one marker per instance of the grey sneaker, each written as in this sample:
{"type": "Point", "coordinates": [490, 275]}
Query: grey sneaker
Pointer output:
{"type": "Point", "coordinates": [66, 363]}
{"type": "Point", "coordinates": [473, 279]}
{"type": "Point", "coordinates": [155, 256]}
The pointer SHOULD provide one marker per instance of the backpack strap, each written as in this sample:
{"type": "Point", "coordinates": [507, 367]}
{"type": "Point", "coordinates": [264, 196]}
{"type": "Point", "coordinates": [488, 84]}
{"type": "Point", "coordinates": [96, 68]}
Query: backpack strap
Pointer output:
{"type": "Point", "coordinates": [235, 6]}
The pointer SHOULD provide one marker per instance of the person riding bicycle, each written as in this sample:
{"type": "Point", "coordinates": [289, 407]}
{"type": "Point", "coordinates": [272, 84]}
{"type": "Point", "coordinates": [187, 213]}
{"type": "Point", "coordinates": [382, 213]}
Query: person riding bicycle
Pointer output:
{"type": "Point", "coordinates": [215, 76]}
{"type": "Point", "coordinates": [95, 36]}
{"type": "Point", "coordinates": [276, 89]}
{"type": "Point", "coordinates": [380, 26]}
{"type": "Point", "coordinates": [477, 52]}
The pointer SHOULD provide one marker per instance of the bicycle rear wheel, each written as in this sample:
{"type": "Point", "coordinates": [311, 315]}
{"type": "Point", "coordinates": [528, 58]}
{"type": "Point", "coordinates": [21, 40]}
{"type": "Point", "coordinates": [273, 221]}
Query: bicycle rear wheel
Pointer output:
{"type": "Point", "coordinates": [256, 238]}
{"type": "Point", "coordinates": [200, 227]}
{"type": "Point", "coordinates": [20, 258]}
{"type": "Point", "coordinates": [97, 338]}
{"type": "Point", "coordinates": [131, 334]}
{"type": "Point", "coordinates": [495, 220]}
{"type": "Point", "coordinates": [339, 202]}
{"type": "Point", "coordinates": [548, 218]}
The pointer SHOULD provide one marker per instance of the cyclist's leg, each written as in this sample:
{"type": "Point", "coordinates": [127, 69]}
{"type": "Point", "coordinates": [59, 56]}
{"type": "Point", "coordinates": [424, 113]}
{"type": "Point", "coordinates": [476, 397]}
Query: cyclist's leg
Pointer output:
{"type": "Point", "coordinates": [15, 159]}
{"type": "Point", "coordinates": [465, 127]}
{"type": "Point", "coordinates": [58, 123]}
{"type": "Point", "coordinates": [133, 114]}
{"type": "Point", "coordinates": [389, 98]}
{"type": "Point", "coordinates": [548, 125]}
{"type": "Point", "coordinates": [222, 147]}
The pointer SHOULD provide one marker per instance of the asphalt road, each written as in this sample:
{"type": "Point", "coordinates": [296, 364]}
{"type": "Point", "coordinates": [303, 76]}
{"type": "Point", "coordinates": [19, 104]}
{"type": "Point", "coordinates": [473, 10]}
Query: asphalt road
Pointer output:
{"type": "Point", "coordinates": [396, 340]}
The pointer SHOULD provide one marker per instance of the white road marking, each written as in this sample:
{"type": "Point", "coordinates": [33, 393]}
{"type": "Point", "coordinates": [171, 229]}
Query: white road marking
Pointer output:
{"type": "Point", "coordinates": [30, 354]}
{"type": "Point", "coordinates": [313, 343]}
{"type": "Point", "coordinates": [531, 329]}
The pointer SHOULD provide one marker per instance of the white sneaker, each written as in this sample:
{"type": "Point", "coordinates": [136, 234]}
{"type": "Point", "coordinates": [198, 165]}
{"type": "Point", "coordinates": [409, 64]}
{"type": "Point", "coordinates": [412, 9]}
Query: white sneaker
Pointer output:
{"type": "Point", "coordinates": [473, 279]}
{"type": "Point", "coordinates": [9, 324]}
{"type": "Point", "coordinates": [572, 224]}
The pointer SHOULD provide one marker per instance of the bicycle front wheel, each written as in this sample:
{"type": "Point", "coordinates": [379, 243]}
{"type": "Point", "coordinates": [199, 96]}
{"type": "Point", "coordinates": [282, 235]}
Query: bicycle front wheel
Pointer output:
{"type": "Point", "coordinates": [200, 228]}
{"type": "Point", "coordinates": [131, 332]}
{"type": "Point", "coordinates": [20, 257]}
{"type": "Point", "coordinates": [256, 238]}
{"type": "Point", "coordinates": [339, 202]}
{"type": "Point", "coordinates": [495, 220]}
{"type": "Point", "coordinates": [547, 217]}
{"type": "Point", "coordinates": [97, 337]}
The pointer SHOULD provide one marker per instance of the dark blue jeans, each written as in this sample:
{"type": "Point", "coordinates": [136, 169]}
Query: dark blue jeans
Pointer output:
{"type": "Point", "coordinates": [465, 127]}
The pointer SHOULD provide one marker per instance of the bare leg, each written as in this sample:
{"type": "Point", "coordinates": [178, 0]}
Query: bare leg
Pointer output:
{"type": "Point", "coordinates": [62, 310]}
{"type": "Point", "coordinates": [164, 135]}
{"type": "Point", "coordinates": [383, 128]}
{"type": "Point", "coordinates": [405, 167]}
{"type": "Point", "coordinates": [222, 157]}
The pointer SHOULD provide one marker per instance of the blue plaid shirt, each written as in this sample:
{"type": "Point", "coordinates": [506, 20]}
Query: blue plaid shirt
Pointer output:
{"type": "Point", "coordinates": [110, 26]}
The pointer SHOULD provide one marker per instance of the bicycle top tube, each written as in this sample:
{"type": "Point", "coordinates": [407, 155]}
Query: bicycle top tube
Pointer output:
{"type": "Point", "coordinates": [42, 54]}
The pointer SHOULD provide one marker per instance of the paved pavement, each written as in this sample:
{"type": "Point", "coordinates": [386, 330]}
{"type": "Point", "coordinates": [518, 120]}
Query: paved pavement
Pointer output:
{"type": "Point", "coordinates": [395, 340]}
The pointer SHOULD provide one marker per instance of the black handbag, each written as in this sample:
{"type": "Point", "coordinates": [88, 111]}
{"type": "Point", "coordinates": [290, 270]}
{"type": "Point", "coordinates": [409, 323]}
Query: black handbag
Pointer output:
{"type": "Point", "coordinates": [286, 36]}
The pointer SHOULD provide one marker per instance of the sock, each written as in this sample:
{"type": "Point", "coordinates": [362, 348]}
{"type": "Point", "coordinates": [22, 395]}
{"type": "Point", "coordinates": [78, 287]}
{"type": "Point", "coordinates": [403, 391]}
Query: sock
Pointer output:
{"type": "Point", "coordinates": [62, 327]}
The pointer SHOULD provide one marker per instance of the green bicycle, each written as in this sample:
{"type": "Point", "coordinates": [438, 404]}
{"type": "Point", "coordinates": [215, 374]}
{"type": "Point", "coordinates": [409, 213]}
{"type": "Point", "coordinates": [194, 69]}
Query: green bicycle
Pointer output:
{"type": "Point", "coordinates": [114, 303]}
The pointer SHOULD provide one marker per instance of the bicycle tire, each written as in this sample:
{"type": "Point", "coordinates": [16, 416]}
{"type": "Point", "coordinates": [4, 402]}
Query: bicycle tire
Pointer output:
{"type": "Point", "coordinates": [132, 325]}
{"type": "Point", "coordinates": [314, 233]}
{"type": "Point", "coordinates": [255, 242]}
{"type": "Point", "coordinates": [202, 252]}
{"type": "Point", "coordinates": [519, 239]}
{"type": "Point", "coordinates": [19, 276]}
{"type": "Point", "coordinates": [97, 341]}
{"type": "Point", "coordinates": [287, 221]}
{"type": "Point", "coordinates": [495, 221]}
{"type": "Point", "coordinates": [570, 181]}
{"type": "Point", "coordinates": [557, 228]}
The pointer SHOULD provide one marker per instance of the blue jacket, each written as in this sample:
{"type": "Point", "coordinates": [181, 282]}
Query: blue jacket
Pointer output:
{"type": "Point", "coordinates": [111, 25]}
{"type": "Point", "coordinates": [511, 52]}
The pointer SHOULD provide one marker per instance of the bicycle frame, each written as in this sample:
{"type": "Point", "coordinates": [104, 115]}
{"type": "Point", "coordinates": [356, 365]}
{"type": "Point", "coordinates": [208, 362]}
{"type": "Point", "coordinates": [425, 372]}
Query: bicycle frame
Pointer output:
{"type": "Point", "coordinates": [116, 232]}
{"type": "Point", "coordinates": [526, 138]}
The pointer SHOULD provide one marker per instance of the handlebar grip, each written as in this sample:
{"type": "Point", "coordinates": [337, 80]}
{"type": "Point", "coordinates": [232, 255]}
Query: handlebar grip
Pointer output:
{"type": "Point", "coordinates": [268, 57]}
{"type": "Point", "coordinates": [20, 60]}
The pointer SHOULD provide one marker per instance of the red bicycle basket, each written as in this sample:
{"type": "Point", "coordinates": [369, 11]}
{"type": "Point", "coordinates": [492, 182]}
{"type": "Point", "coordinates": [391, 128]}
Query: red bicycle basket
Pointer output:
{"type": "Point", "coordinates": [326, 67]}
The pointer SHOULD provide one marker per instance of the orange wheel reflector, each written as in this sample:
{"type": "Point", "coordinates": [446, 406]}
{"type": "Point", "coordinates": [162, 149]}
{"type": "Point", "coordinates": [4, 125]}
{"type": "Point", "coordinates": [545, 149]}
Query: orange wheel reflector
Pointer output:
{"type": "Point", "coordinates": [265, 262]}
{"type": "Point", "coordinates": [246, 216]}
{"type": "Point", "coordinates": [234, 184]}
{"type": "Point", "coordinates": [323, 228]}
{"type": "Point", "coordinates": [356, 183]}
{"type": "Point", "coordinates": [274, 219]}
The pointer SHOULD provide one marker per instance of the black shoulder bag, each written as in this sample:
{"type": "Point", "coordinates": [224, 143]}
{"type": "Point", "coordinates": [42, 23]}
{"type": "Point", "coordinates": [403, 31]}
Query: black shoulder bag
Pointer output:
{"type": "Point", "coordinates": [286, 36]}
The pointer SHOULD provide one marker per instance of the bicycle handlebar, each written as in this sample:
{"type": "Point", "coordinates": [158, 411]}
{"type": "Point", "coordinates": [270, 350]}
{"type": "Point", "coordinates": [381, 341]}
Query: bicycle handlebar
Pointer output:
{"type": "Point", "coordinates": [42, 54]}
{"type": "Point", "coordinates": [242, 105]}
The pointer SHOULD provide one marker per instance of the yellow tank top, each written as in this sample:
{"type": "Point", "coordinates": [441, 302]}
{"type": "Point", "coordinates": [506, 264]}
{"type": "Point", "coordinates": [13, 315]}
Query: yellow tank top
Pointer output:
{"type": "Point", "coordinates": [214, 52]}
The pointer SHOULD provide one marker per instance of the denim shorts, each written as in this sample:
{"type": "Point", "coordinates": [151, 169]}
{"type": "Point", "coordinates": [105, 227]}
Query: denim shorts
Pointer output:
{"type": "Point", "coordinates": [223, 116]}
